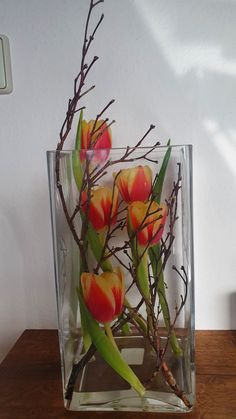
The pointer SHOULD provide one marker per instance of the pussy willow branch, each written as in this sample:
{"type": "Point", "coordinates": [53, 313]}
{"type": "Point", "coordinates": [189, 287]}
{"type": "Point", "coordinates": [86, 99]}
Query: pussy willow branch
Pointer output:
{"type": "Point", "coordinates": [119, 260]}
{"type": "Point", "coordinates": [125, 158]}
{"type": "Point", "coordinates": [80, 79]}
{"type": "Point", "coordinates": [95, 128]}
{"type": "Point", "coordinates": [93, 143]}
{"type": "Point", "coordinates": [67, 124]}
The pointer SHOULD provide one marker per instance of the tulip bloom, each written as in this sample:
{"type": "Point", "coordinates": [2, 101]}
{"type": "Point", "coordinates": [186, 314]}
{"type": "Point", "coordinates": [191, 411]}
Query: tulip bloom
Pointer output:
{"type": "Point", "coordinates": [104, 294]}
{"type": "Point", "coordinates": [102, 206]}
{"type": "Point", "coordinates": [101, 139]}
{"type": "Point", "coordinates": [148, 221]}
{"type": "Point", "coordinates": [135, 184]}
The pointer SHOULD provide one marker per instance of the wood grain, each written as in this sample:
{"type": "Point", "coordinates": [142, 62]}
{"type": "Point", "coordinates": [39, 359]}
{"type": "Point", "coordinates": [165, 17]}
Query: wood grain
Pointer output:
{"type": "Point", "coordinates": [30, 380]}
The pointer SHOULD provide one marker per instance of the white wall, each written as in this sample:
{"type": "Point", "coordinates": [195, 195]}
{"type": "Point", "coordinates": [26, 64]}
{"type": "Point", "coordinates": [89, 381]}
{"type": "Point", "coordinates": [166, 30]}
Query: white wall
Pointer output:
{"type": "Point", "coordinates": [167, 62]}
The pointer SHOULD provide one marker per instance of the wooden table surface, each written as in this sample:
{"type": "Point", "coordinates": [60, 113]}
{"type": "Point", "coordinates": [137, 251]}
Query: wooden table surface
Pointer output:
{"type": "Point", "coordinates": [30, 380]}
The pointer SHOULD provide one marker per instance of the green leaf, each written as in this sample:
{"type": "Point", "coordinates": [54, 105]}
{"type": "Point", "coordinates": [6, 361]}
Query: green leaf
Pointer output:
{"type": "Point", "coordinates": [78, 176]}
{"type": "Point", "coordinates": [157, 188]}
{"type": "Point", "coordinates": [76, 163]}
{"type": "Point", "coordinates": [141, 322]}
{"type": "Point", "coordinates": [142, 272]}
{"type": "Point", "coordinates": [126, 329]}
{"type": "Point", "coordinates": [108, 352]}
{"type": "Point", "coordinates": [86, 335]}
{"type": "Point", "coordinates": [79, 132]}
{"type": "Point", "coordinates": [96, 246]}
{"type": "Point", "coordinates": [154, 255]}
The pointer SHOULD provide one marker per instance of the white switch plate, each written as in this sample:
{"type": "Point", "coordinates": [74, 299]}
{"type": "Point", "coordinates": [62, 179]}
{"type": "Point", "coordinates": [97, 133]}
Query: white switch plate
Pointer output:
{"type": "Point", "coordinates": [5, 66]}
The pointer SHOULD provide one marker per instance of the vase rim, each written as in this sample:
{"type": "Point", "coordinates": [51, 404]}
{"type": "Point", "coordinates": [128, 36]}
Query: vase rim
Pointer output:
{"type": "Point", "coordinates": [159, 147]}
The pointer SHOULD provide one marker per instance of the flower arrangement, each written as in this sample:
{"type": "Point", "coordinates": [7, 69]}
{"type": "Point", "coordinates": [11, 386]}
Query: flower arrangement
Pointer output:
{"type": "Point", "coordinates": [124, 231]}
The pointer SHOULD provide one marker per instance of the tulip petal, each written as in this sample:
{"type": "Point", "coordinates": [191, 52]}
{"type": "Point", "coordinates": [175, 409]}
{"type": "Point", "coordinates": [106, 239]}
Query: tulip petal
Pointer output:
{"type": "Point", "coordinates": [140, 183]}
{"type": "Point", "coordinates": [123, 184]}
{"type": "Point", "coordinates": [95, 212]}
{"type": "Point", "coordinates": [98, 296]}
{"type": "Point", "coordinates": [119, 290]}
{"type": "Point", "coordinates": [100, 142]}
{"type": "Point", "coordinates": [143, 237]}
{"type": "Point", "coordinates": [147, 220]}
{"type": "Point", "coordinates": [136, 212]}
{"type": "Point", "coordinates": [115, 284]}
{"type": "Point", "coordinates": [96, 215]}
{"type": "Point", "coordinates": [103, 206]}
{"type": "Point", "coordinates": [103, 294]}
{"type": "Point", "coordinates": [135, 184]}
{"type": "Point", "coordinates": [102, 138]}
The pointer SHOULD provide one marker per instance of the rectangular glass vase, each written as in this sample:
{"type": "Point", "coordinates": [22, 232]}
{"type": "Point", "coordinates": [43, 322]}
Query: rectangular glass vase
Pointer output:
{"type": "Point", "coordinates": [123, 241]}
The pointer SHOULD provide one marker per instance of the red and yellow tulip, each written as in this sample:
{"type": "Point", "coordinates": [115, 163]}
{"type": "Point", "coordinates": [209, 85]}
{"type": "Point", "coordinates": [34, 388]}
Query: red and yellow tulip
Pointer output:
{"type": "Point", "coordinates": [104, 294]}
{"type": "Point", "coordinates": [147, 219]}
{"type": "Point", "coordinates": [97, 138]}
{"type": "Point", "coordinates": [135, 184]}
{"type": "Point", "coordinates": [102, 206]}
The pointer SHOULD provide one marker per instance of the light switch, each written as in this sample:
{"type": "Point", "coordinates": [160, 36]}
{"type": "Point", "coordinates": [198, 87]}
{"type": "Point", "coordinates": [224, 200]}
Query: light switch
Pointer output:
{"type": "Point", "coordinates": [5, 66]}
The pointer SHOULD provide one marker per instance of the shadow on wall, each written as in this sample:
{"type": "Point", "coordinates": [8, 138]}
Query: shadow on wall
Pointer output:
{"type": "Point", "coordinates": [232, 310]}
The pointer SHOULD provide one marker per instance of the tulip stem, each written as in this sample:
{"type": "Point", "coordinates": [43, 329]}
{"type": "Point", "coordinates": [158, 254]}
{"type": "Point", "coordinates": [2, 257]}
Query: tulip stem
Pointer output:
{"type": "Point", "coordinates": [154, 254]}
{"type": "Point", "coordinates": [140, 257]}
{"type": "Point", "coordinates": [142, 324]}
{"type": "Point", "coordinates": [142, 272]}
{"type": "Point", "coordinates": [110, 336]}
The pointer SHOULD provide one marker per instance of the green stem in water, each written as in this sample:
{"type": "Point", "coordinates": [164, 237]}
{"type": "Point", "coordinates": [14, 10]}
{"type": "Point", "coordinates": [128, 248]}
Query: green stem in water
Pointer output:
{"type": "Point", "coordinates": [142, 272]}
{"type": "Point", "coordinates": [142, 324]}
{"type": "Point", "coordinates": [140, 257]}
{"type": "Point", "coordinates": [154, 254]}
{"type": "Point", "coordinates": [86, 336]}
{"type": "Point", "coordinates": [94, 242]}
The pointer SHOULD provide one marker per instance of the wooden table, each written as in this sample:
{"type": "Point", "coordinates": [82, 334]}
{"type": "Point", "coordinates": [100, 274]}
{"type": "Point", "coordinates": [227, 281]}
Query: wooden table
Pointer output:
{"type": "Point", "coordinates": [30, 380]}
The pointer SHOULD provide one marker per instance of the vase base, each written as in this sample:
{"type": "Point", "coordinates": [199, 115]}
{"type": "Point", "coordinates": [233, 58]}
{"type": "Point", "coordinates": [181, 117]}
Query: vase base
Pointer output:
{"type": "Point", "coordinates": [158, 402]}
{"type": "Point", "coordinates": [99, 387]}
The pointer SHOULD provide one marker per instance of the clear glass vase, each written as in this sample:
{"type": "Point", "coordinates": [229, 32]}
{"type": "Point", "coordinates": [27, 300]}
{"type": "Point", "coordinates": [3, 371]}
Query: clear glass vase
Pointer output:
{"type": "Point", "coordinates": [123, 255]}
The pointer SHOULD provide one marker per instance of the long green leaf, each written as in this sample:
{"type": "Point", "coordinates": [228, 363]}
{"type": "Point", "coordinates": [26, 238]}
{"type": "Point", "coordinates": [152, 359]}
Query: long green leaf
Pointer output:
{"type": "Point", "coordinates": [142, 273]}
{"type": "Point", "coordinates": [154, 255]}
{"type": "Point", "coordinates": [157, 188]}
{"type": "Point", "coordinates": [76, 163]}
{"type": "Point", "coordinates": [97, 248]}
{"type": "Point", "coordinates": [86, 335]}
{"type": "Point", "coordinates": [78, 176]}
{"type": "Point", "coordinates": [108, 351]}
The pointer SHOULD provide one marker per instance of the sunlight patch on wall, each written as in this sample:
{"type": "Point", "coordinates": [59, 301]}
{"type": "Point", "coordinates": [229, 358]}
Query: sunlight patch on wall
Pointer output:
{"type": "Point", "coordinates": [225, 142]}
{"type": "Point", "coordinates": [183, 56]}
